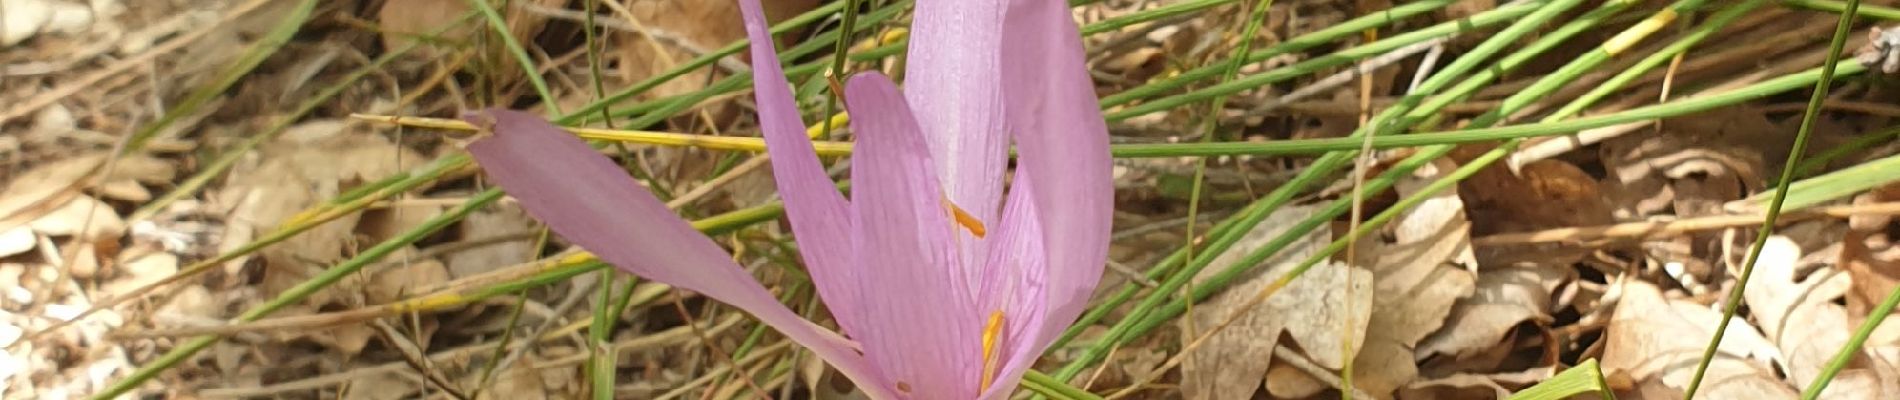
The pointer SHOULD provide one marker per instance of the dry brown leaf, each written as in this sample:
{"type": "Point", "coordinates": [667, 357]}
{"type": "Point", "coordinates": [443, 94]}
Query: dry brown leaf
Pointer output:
{"type": "Point", "coordinates": [1475, 386]}
{"type": "Point", "coordinates": [40, 190]}
{"type": "Point", "coordinates": [405, 20]}
{"type": "Point", "coordinates": [82, 216]}
{"type": "Point", "coordinates": [1869, 255]}
{"type": "Point", "coordinates": [383, 387]}
{"type": "Point", "coordinates": [1313, 309]}
{"type": "Point", "coordinates": [399, 282]}
{"type": "Point", "coordinates": [289, 175]}
{"type": "Point", "coordinates": [1505, 297]}
{"type": "Point", "coordinates": [1653, 344]}
{"type": "Point", "coordinates": [1800, 316]}
{"type": "Point", "coordinates": [1541, 195]}
{"type": "Point", "coordinates": [19, 239]}
{"type": "Point", "coordinates": [1693, 166]}
{"type": "Point", "coordinates": [676, 31]}
{"type": "Point", "coordinates": [490, 222]}
{"type": "Point", "coordinates": [295, 173]}
{"type": "Point", "coordinates": [1420, 274]}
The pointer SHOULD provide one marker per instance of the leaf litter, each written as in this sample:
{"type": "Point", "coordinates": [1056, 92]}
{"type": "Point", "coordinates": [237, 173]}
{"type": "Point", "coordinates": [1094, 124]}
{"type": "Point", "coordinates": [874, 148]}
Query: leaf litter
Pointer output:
{"type": "Point", "coordinates": [1426, 308]}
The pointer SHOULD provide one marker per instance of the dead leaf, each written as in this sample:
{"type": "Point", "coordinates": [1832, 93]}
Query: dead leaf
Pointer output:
{"type": "Point", "coordinates": [1475, 386]}
{"type": "Point", "coordinates": [403, 21]}
{"type": "Point", "coordinates": [398, 282]}
{"type": "Point", "coordinates": [1653, 343]}
{"type": "Point", "coordinates": [1808, 328]}
{"type": "Point", "coordinates": [1697, 163]}
{"type": "Point", "coordinates": [82, 216]}
{"type": "Point", "coordinates": [1505, 297]}
{"type": "Point", "coordinates": [1421, 273]}
{"type": "Point", "coordinates": [1869, 255]}
{"type": "Point", "coordinates": [1541, 195]}
{"type": "Point", "coordinates": [1313, 309]}
{"type": "Point", "coordinates": [19, 239]}
{"type": "Point", "coordinates": [492, 222]}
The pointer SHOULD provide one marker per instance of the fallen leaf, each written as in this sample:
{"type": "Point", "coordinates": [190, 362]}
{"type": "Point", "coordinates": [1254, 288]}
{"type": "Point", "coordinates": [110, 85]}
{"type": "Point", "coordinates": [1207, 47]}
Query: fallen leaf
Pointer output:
{"type": "Point", "coordinates": [1653, 343]}
{"type": "Point", "coordinates": [1543, 194]}
{"type": "Point", "coordinates": [1800, 316]}
{"type": "Point", "coordinates": [483, 225]}
{"type": "Point", "coordinates": [1313, 309]}
{"type": "Point", "coordinates": [1694, 165]}
{"type": "Point", "coordinates": [1869, 255]}
{"type": "Point", "coordinates": [1475, 386]}
{"type": "Point", "coordinates": [19, 239]}
{"type": "Point", "coordinates": [1505, 297]}
{"type": "Point", "coordinates": [83, 217]}
{"type": "Point", "coordinates": [1421, 273]}
{"type": "Point", "coordinates": [398, 282]}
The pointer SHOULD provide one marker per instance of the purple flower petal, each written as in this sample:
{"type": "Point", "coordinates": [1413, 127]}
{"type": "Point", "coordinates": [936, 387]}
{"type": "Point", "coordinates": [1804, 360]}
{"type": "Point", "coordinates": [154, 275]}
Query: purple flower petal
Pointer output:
{"type": "Point", "coordinates": [1062, 150]}
{"type": "Point", "coordinates": [922, 333]}
{"type": "Point", "coordinates": [818, 213]}
{"type": "Point", "coordinates": [1016, 282]}
{"type": "Point", "coordinates": [952, 79]}
{"type": "Point", "coordinates": [586, 198]}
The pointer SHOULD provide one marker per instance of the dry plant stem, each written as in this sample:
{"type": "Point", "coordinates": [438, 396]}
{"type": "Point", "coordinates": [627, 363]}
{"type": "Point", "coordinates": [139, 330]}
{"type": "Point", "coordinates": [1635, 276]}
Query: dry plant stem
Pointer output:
{"type": "Point", "coordinates": [412, 355]}
{"type": "Point", "coordinates": [87, 82]}
{"type": "Point", "coordinates": [710, 375]}
{"type": "Point", "coordinates": [1655, 229]}
{"type": "Point", "coordinates": [705, 339]}
{"type": "Point", "coordinates": [670, 337]}
{"type": "Point", "coordinates": [574, 298]}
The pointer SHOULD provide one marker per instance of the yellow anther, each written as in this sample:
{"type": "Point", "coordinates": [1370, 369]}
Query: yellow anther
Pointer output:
{"type": "Point", "coordinates": [964, 219]}
{"type": "Point", "coordinates": [992, 336]}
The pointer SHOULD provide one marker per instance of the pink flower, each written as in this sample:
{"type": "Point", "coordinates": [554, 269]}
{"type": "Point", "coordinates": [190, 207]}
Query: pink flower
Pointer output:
{"type": "Point", "coordinates": [946, 289]}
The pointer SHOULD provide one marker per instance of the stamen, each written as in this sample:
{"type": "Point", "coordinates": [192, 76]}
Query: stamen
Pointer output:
{"type": "Point", "coordinates": [964, 219]}
{"type": "Point", "coordinates": [992, 336]}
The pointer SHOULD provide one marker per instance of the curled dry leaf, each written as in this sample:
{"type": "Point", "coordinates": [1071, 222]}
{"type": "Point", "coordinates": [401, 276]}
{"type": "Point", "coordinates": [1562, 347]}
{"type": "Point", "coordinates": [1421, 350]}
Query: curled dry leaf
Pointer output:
{"type": "Point", "coordinates": [495, 221]}
{"type": "Point", "coordinates": [292, 174]}
{"type": "Point", "coordinates": [1800, 316]}
{"type": "Point", "coordinates": [1313, 309]}
{"type": "Point", "coordinates": [1540, 195]}
{"type": "Point", "coordinates": [1653, 344]}
{"type": "Point", "coordinates": [1421, 269]}
{"type": "Point", "coordinates": [50, 187]}
{"type": "Point", "coordinates": [403, 21]}
{"type": "Point", "coordinates": [1869, 255]}
{"type": "Point", "coordinates": [1693, 166]}
{"type": "Point", "coordinates": [1505, 297]}
{"type": "Point", "coordinates": [1421, 273]}
{"type": "Point", "coordinates": [1475, 386]}
{"type": "Point", "coordinates": [17, 240]}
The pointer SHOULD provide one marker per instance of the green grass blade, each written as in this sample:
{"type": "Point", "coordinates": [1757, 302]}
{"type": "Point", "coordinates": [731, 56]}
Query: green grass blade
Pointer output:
{"type": "Point", "coordinates": [1583, 378]}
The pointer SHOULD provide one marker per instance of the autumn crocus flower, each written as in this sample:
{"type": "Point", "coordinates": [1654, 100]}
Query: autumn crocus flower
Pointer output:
{"type": "Point", "coordinates": [945, 289]}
